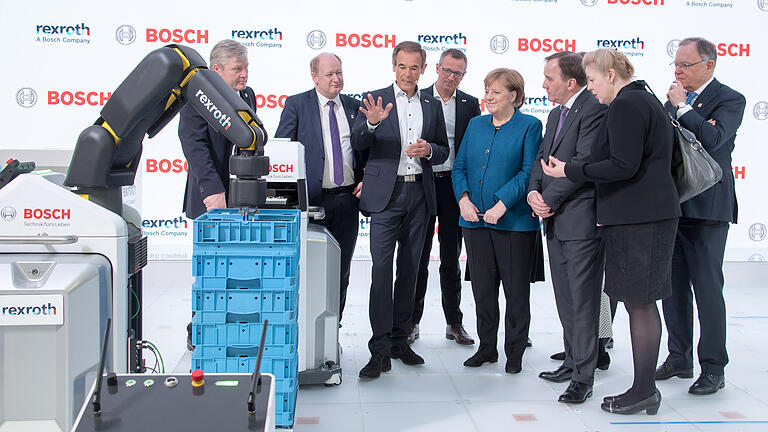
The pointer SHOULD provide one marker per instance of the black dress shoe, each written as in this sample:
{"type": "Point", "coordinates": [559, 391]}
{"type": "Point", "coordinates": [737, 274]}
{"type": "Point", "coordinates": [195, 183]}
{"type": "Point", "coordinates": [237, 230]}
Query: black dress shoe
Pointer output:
{"type": "Point", "coordinates": [513, 367]}
{"type": "Point", "coordinates": [650, 404]}
{"type": "Point", "coordinates": [456, 332]}
{"type": "Point", "coordinates": [376, 365]}
{"type": "Point", "coordinates": [559, 356]}
{"type": "Point", "coordinates": [414, 334]}
{"type": "Point", "coordinates": [406, 354]}
{"type": "Point", "coordinates": [707, 383]}
{"type": "Point", "coordinates": [561, 374]}
{"type": "Point", "coordinates": [667, 371]}
{"type": "Point", "coordinates": [577, 392]}
{"type": "Point", "coordinates": [603, 361]}
{"type": "Point", "coordinates": [481, 358]}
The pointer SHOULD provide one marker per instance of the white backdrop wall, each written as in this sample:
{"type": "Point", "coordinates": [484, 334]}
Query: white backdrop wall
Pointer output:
{"type": "Point", "coordinates": [64, 58]}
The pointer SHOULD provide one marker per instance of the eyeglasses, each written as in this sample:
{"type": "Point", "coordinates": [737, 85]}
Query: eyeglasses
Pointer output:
{"type": "Point", "coordinates": [686, 65]}
{"type": "Point", "coordinates": [456, 74]}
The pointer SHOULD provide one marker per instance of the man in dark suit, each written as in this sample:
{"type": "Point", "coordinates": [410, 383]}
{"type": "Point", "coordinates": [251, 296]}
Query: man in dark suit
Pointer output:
{"type": "Point", "coordinates": [399, 194]}
{"type": "Point", "coordinates": [206, 150]}
{"type": "Point", "coordinates": [568, 211]}
{"type": "Point", "coordinates": [713, 112]}
{"type": "Point", "coordinates": [458, 109]}
{"type": "Point", "coordinates": [322, 120]}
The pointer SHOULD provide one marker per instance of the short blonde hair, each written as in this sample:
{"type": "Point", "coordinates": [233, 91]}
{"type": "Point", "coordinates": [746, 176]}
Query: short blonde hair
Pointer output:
{"type": "Point", "coordinates": [511, 80]}
{"type": "Point", "coordinates": [608, 58]}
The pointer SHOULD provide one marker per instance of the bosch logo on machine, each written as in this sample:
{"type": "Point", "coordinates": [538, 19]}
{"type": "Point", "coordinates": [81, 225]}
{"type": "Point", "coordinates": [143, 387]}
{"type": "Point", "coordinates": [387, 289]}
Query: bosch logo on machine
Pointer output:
{"type": "Point", "coordinates": [125, 35]}
{"type": "Point", "coordinates": [757, 232]}
{"type": "Point", "coordinates": [637, 2]}
{"type": "Point", "coordinates": [8, 213]}
{"type": "Point", "coordinates": [271, 38]}
{"type": "Point", "coordinates": [270, 101]}
{"type": "Point", "coordinates": [166, 166]}
{"type": "Point", "coordinates": [316, 39]}
{"type": "Point", "coordinates": [47, 217]}
{"type": "Point", "coordinates": [63, 33]}
{"type": "Point", "coordinates": [31, 309]}
{"type": "Point", "coordinates": [725, 49]}
{"type": "Point", "coordinates": [739, 172]}
{"type": "Point", "coordinates": [438, 42]}
{"type": "Point", "coordinates": [165, 35]}
{"type": "Point", "coordinates": [163, 227]}
{"type": "Point", "coordinates": [499, 44]}
{"type": "Point", "coordinates": [533, 105]}
{"type": "Point", "coordinates": [760, 111]}
{"type": "Point", "coordinates": [78, 97]}
{"type": "Point", "coordinates": [546, 45]}
{"type": "Point", "coordinates": [219, 116]}
{"type": "Point", "coordinates": [26, 97]}
{"type": "Point", "coordinates": [365, 40]}
{"type": "Point", "coordinates": [630, 47]}
{"type": "Point", "coordinates": [281, 168]}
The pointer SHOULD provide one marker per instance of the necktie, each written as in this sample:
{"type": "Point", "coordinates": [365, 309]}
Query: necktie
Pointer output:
{"type": "Point", "coordinates": [689, 97]}
{"type": "Point", "coordinates": [338, 166]}
{"type": "Point", "coordinates": [563, 112]}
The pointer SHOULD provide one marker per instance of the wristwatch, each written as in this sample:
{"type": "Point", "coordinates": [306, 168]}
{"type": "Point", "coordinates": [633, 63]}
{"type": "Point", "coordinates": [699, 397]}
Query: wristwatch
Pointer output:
{"type": "Point", "coordinates": [681, 105]}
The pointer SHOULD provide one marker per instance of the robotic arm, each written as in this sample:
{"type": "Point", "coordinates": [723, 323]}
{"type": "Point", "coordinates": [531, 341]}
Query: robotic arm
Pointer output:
{"type": "Point", "coordinates": [107, 154]}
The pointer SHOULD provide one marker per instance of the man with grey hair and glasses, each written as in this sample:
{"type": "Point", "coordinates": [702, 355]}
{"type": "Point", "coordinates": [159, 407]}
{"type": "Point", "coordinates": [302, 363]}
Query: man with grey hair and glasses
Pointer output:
{"type": "Point", "coordinates": [713, 112]}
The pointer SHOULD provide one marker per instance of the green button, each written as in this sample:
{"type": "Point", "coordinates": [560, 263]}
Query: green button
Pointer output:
{"type": "Point", "coordinates": [228, 383]}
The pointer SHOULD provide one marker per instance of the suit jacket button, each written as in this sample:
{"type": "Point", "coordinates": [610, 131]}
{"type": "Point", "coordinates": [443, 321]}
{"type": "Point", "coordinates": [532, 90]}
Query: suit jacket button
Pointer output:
{"type": "Point", "coordinates": [487, 151]}
{"type": "Point", "coordinates": [481, 182]}
{"type": "Point", "coordinates": [483, 166]}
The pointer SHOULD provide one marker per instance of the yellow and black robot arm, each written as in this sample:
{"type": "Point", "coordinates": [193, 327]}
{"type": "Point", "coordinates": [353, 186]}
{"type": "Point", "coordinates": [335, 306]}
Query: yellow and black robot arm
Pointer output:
{"type": "Point", "coordinates": [107, 154]}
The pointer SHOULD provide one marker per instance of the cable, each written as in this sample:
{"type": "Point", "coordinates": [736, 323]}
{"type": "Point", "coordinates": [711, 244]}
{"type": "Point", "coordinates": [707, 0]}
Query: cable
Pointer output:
{"type": "Point", "coordinates": [138, 304]}
{"type": "Point", "coordinates": [154, 353]}
{"type": "Point", "coordinates": [157, 352]}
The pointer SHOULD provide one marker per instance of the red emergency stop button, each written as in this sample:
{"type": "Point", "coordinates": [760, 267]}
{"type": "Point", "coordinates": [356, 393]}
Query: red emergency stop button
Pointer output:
{"type": "Point", "coordinates": [198, 378]}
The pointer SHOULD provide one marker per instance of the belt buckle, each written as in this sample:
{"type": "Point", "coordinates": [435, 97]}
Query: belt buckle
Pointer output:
{"type": "Point", "coordinates": [409, 178]}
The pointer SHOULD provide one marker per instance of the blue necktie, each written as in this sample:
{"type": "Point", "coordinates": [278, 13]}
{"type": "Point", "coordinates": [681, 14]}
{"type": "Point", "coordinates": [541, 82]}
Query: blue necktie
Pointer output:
{"type": "Point", "coordinates": [689, 97]}
{"type": "Point", "coordinates": [338, 165]}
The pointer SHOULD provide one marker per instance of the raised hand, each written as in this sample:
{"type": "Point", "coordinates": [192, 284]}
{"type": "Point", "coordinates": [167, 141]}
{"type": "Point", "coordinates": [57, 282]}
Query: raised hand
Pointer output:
{"type": "Point", "coordinates": [374, 111]}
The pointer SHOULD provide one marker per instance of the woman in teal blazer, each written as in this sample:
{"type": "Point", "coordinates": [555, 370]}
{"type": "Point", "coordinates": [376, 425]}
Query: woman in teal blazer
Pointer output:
{"type": "Point", "coordinates": [490, 179]}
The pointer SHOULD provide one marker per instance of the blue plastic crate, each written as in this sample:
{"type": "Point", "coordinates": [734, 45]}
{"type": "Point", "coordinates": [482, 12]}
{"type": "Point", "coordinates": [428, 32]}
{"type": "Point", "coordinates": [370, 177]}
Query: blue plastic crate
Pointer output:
{"type": "Point", "coordinates": [217, 317]}
{"type": "Point", "coordinates": [245, 301]}
{"type": "Point", "coordinates": [228, 226]}
{"type": "Point", "coordinates": [243, 333]}
{"type": "Point", "coordinates": [280, 367]}
{"type": "Point", "coordinates": [285, 408]}
{"type": "Point", "coordinates": [223, 351]}
{"type": "Point", "coordinates": [256, 265]}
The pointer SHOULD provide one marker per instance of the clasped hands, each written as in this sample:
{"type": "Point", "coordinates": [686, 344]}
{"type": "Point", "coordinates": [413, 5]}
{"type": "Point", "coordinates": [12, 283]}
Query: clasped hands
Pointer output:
{"type": "Point", "coordinates": [469, 211]}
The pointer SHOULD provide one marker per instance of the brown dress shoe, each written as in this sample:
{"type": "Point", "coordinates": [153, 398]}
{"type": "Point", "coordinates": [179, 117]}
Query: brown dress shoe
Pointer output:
{"type": "Point", "coordinates": [456, 332]}
{"type": "Point", "coordinates": [413, 335]}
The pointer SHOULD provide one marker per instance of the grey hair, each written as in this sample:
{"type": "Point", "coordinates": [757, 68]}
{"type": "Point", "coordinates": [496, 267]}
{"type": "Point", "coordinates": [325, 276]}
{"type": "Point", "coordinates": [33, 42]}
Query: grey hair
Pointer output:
{"type": "Point", "coordinates": [705, 48]}
{"type": "Point", "coordinates": [227, 50]}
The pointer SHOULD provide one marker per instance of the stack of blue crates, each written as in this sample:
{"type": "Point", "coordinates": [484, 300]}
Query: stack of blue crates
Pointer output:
{"type": "Point", "coordinates": [247, 271]}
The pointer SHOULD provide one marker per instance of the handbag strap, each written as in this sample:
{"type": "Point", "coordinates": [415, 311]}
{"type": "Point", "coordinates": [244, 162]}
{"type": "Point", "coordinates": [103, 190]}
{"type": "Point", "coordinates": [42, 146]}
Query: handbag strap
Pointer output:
{"type": "Point", "coordinates": [675, 123]}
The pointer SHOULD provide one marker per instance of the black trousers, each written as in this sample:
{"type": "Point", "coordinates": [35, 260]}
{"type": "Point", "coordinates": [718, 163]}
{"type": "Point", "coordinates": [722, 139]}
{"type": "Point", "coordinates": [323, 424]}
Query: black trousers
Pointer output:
{"type": "Point", "coordinates": [577, 279]}
{"type": "Point", "coordinates": [342, 219]}
{"type": "Point", "coordinates": [449, 236]}
{"type": "Point", "coordinates": [403, 222]}
{"type": "Point", "coordinates": [501, 256]}
{"type": "Point", "coordinates": [697, 268]}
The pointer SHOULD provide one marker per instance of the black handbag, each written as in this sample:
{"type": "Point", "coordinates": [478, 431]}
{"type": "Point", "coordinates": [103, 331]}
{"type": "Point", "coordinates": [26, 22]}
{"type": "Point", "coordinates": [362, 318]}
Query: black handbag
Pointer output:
{"type": "Point", "coordinates": [693, 169]}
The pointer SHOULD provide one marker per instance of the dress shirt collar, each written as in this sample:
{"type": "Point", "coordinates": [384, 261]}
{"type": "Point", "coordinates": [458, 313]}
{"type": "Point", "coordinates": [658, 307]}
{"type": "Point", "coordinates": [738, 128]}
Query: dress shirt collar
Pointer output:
{"type": "Point", "coordinates": [436, 94]}
{"type": "Point", "coordinates": [323, 101]}
{"type": "Point", "coordinates": [573, 98]}
{"type": "Point", "coordinates": [701, 89]}
{"type": "Point", "coordinates": [400, 93]}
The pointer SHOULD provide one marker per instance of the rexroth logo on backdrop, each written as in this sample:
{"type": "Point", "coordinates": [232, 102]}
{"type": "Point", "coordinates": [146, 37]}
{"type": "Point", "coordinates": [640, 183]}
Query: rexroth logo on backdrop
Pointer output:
{"type": "Point", "coordinates": [166, 166]}
{"type": "Point", "coordinates": [365, 40]}
{"type": "Point", "coordinates": [638, 2]}
{"type": "Point", "coordinates": [165, 35]}
{"type": "Point", "coordinates": [63, 33]}
{"type": "Point", "coordinates": [77, 97]}
{"type": "Point", "coordinates": [271, 38]}
{"type": "Point", "coordinates": [546, 44]}
{"type": "Point", "coordinates": [163, 227]}
{"type": "Point", "coordinates": [537, 105]}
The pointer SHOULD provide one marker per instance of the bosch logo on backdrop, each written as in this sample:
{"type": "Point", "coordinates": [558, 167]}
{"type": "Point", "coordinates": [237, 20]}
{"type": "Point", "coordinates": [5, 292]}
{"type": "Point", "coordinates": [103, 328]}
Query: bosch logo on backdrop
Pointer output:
{"type": "Point", "coordinates": [732, 49]}
{"type": "Point", "coordinates": [125, 35]}
{"type": "Point", "coordinates": [546, 45]}
{"type": "Point", "coordinates": [638, 2]}
{"type": "Point", "coordinates": [270, 100]}
{"type": "Point", "coordinates": [589, 3]}
{"type": "Point", "coordinates": [760, 110]}
{"type": "Point", "coordinates": [316, 39]}
{"type": "Point", "coordinates": [762, 4]}
{"type": "Point", "coordinates": [499, 44]}
{"type": "Point", "coordinates": [271, 38]}
{"type": "Point", "coordinates": [165, 35]}
{"type": "Point", "coordinates": [757, 232]}
{"type": "Point", "coordinates": [672, 47]}
{"type": "Point", "coordinates": [78, 97]}
{"type": "Point", "coordinates": [26, 97]}
{"type": "Point", "coordinates": [365, 40]}
{"type": "Point", "coordinates": [8, 213]}
{"type": "Point", "coordinates": [166, 166]}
